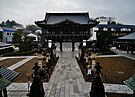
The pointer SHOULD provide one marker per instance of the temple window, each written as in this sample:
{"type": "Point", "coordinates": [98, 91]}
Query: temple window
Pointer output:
{"type": "Point", "coordinates": [105, 29]}
{"type": "Point", "coordinates": [113, 29]}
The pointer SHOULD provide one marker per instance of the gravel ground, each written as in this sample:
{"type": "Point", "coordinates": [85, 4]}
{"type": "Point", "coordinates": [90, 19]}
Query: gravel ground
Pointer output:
{"type": "Point", "coordinates": [8, 62]}
{"type": "Point", "coordinates": [25, 71]}
{"type": "Point", "coordinates": [117, 69]}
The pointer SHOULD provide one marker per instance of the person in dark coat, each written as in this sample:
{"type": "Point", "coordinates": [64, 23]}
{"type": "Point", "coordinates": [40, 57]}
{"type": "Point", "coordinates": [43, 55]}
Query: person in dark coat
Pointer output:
{"type": "Point", "coordinates": [98, 68]}
{"type": "Point", "coordinates": [36, 68]}
{"type": "Point", "coordinates": [97, 88]}
{"type": "Point", "coordinates": [37, 89]}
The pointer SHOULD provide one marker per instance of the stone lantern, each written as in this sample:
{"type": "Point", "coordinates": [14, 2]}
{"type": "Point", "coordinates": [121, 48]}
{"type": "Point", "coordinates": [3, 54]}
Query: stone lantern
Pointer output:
{"type": "Point", "coordinates": [53, 52]}
{"type": "Point", "coordinates": [93, 59]}
{"type": "Point", "coordinates": [40, 59]}
{"type": "Point", "coordinates": [93, 55]}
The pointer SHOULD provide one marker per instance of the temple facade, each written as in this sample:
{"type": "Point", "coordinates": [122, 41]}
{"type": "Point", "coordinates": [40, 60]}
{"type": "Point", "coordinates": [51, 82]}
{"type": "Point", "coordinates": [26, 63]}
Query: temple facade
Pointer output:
{"type": "Point", "coordinates": [67, 27]}
{"type": "Point", "coordinates": [117, 30]}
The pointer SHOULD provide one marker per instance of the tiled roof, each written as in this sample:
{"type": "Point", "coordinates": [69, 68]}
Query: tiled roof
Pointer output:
{"type": "Point", "coordinates": [2, 44]}
{"type": "Point", "coordinates": [130, 36]}
{"type": "Point", "coordinates": [115, 26]}
{"type": "Point", "coordinates": [75, 17]}
{"type": "Point", "coordinates": [79, 18]}
{"type": "Point", "coordinates": [8, 74]}
{"type": "Point", "coordinates": [7, 29]}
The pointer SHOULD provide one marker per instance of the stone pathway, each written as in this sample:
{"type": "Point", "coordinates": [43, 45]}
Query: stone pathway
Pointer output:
{"type": "Point", "coordinates": [3, 58]}
{"type": "Point", "coordinates": [18, 64]}
{"type": "Point", "coordinates": [66, 81]}
{"type": "Point", "coordinates": [21, 89]}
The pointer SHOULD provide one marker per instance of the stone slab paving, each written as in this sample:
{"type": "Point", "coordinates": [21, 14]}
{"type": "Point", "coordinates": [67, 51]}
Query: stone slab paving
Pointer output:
{"type": "Point", "coordinates": [115, 88]}
{"type": "Point", "coordinates": [19, 89]}
{"type": "Point", "coordinates": [125, 54]}
{"type": "Point", "coordinates": [18, 64]}
{"type": "Point", "coordinates": [66, 81]}
{"type": "Point", "coordinates": [3, 58]}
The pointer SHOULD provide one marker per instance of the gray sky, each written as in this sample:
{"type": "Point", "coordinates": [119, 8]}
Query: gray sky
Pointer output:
{"type": "Point", "coordinates": [28, 11]}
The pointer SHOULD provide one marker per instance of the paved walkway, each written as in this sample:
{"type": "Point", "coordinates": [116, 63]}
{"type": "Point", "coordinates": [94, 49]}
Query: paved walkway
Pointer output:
{"type": "Point", "coordinates": [66, 81]}
{"type": "Point", "coordinates": [3, 58]}
{"type": "Point", "coordinates": [21, 90]}
{"type": "Point", "coordinates": [18, 64]}
{"type": "Point", "coordinates": [125, 54]}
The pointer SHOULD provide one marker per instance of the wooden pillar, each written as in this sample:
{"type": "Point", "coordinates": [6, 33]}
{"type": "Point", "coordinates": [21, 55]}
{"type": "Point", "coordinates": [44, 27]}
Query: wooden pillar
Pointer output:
{"type": "Point", "coordinates": [49, 43]}
{"type": "Point", "coordinates": [61, 46]}
{"type": "Point", "coordinates": [5, 92]}
{"type": "Point", "coordinates": [127, 47]}
{"type": "Point", "coordinates": [84, 42]}
{"type": "Point", "coordinates": [132, 47]}
{"type": "Point", "coordinates": [73, 45]}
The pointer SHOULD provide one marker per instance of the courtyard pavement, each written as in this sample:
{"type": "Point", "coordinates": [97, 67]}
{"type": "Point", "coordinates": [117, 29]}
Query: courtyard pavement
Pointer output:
{"type": "Point", "coordinates": [125, 54]}
{"type": "Point", "coordinates": [66, 81]}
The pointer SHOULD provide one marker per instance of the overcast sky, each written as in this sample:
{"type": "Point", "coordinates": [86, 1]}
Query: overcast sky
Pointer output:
{"type": "Point", "coordinates": [27, 11]}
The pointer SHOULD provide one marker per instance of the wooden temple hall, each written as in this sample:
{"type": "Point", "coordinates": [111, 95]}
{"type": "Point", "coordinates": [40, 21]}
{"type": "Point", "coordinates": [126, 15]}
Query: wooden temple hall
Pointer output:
{"type": "Point", "coordinates": [67, 27]}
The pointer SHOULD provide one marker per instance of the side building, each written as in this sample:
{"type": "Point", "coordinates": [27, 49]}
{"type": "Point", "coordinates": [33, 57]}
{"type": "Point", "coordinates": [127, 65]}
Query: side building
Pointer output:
{"type": "Point", "coordinates": [6, 34]}
{"type": "Point", "coordinates": [1, 34]}
{"type": "Point", "coordinates": [117, 30]}
{"type": "Point", "coordinates": [5, 48]}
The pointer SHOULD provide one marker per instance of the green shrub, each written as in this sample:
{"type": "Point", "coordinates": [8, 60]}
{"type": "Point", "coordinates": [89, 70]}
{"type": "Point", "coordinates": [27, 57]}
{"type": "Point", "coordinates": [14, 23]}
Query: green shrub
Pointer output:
{"type": "Point", "coordinates": [24, 53]}
{"type": "Point", "coordinates": [106, 52]}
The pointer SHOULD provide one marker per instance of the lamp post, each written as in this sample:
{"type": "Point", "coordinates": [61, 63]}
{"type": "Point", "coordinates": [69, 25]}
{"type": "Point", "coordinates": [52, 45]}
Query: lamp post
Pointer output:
{"type": "Point", "coordinates": [28, 75]}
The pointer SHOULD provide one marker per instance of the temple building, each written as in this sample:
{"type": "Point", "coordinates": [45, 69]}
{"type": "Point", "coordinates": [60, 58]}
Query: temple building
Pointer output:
{"type": "Point", "coordinates": [117, 30]}
{"type": "Point", "coordinates": [67, 27]}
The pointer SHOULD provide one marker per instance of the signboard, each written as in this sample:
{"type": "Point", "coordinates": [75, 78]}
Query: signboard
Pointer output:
{"type": "Point", "coordinates": [89, 71]}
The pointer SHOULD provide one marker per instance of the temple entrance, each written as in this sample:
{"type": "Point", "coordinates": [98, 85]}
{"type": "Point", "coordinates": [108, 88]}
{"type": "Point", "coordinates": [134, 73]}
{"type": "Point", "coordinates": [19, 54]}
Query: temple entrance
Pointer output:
{"type": "Point", "coordinates": [67, 46]}
{"type": "Point", "coordinates": [67, 28]}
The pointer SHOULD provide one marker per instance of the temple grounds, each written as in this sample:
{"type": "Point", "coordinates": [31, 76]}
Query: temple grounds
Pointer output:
{"type": "Point", "coordinates": [116, 70]}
